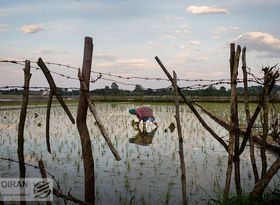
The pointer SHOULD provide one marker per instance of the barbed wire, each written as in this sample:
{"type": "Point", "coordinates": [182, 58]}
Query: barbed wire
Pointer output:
{"type": "Point", "coordinates": [197, 86]}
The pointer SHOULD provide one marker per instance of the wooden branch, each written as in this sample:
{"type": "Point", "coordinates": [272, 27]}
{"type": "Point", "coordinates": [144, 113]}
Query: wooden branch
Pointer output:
{"type": "Point", "coordinates": [181, 149]}
{"type": "Point", "coordinates": [254, 117]}
{"type": "Point", "coordinates": [48, 121]}
{"type": "Point", "coordinates": [55, 192]}
{"type": "Point", "coordinates": [53, 87]}
{"type": "Point", "coordinates": [69, 197]}
{"type": "Point", "coordinates": [96, 117]}
{"type": "Point", "coordinates": [263, 182]}
{"type": "Point", "coordinates": [226, 124]}
{"type": "Point", "coordinates": [89, 182]}
{"type": "Point", "coordinates": [189, 103]}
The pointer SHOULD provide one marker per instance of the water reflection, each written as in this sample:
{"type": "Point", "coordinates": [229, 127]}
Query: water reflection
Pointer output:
{"type": "Point", "coordinates": [143, 138]}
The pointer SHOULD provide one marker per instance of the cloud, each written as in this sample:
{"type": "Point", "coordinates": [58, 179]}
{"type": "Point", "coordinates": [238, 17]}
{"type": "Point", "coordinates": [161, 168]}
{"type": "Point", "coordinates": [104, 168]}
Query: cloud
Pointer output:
{"type": "Point", "coordinates": [49, 51]}
{"type": "Point", "coordinates": [26, 29]}
{"type": "Point", "coordinates": [194, 43]}
{"type": "Point", "coordinates": [185, 26]}
{"type": "Point", "coordinates": [156, 45]}
{"type": "Point", "coordinates": [127, 64]}
{"type": "Point", "coordinates": [217, 37]}
{"type": "Point", "coordinates": [184, 57]}
{"type": "Point", "coordinates": [262, 42]}
{"type": "Point", "coordinates": [5, 27]}
{"type": "Point", "coordinates": [170, 17]}
{"type": "Point", "coordinates": [167, 36]}
{"type": "Point", "coordinates": [104, 56]}
{"type": "Point", "coordinates": [206, 10]}
{"type": "Point", "coordinates": [222, 29]}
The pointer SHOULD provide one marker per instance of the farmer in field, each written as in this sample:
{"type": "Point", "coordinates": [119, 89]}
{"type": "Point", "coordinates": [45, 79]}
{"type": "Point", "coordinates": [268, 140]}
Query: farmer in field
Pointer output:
{"type": "Point", "coordinates": [145, 114]}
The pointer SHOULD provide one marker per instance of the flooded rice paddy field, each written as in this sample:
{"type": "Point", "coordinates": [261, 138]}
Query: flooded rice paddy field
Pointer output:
{"type": "Point", "coordinates": [149, 171]}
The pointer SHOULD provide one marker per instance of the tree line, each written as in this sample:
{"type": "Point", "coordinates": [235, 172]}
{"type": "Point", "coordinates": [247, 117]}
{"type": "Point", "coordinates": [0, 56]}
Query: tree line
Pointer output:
{"type": "Point", "coordinates": [114, 90]}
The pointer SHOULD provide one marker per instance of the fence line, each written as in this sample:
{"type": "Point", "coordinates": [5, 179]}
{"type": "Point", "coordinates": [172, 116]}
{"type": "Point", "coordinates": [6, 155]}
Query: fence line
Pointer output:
{"type": "Point", "coordinates": [196, 86]}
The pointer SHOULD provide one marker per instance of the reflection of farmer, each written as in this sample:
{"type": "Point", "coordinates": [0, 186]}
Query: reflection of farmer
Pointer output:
{"type": "Point", "coordinates": [143, 138]}
{"type": "Point", "coordinates": [145, 114]}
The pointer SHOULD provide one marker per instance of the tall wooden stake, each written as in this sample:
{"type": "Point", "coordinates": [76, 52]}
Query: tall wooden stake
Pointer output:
{"type": "Point", "coordinates": [82, 126]}
{"type": "Point", "coordinates": [48, 121]}
{"type": "Point", "coordinates": [181, 149]}
{"type": "Point", "coordinates": [231, 132]}
{"type": "Point", "coordinates": [21, 124]}
{"type": "Point", "coordinates": [248, 116]}
{"type": "Point", "coordinates": [236, 125]}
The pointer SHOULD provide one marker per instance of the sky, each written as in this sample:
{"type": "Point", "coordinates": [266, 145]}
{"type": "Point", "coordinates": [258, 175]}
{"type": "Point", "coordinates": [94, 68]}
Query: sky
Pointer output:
{"type": "Point", "coordinates": [190, 37]}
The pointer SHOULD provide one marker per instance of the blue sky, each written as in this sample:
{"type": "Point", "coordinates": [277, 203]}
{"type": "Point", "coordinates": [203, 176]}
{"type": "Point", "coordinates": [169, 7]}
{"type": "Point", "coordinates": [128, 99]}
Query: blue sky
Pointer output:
{"type": "Point", "coordinates": [190, 37]}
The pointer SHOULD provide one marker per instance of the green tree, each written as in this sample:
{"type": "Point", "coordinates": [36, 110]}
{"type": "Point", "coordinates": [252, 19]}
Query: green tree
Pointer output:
{"type": "Point", "coordinates": [114, 86]}
{"type": "Point", "coordinates": [138, 87]}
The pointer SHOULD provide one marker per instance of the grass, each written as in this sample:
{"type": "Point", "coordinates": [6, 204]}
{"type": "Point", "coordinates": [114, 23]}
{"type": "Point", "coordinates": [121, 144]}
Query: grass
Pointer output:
{"type": "Point", "coordinates": [270, 197]}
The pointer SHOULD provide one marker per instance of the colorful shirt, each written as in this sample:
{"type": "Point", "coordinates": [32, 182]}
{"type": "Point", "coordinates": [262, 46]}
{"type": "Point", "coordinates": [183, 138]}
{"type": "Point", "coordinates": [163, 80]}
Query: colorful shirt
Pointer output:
{"type": "Point", "coordinates": [144, 112]}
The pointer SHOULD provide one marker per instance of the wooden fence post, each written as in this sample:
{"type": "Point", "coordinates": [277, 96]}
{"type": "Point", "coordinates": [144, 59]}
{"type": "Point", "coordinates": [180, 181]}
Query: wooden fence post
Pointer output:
{"type": "Point", "coordinates": [181, 149]}
{"type": "Point", "coordinates": [48, 121]}
{"type": "Point", "coordinates": [21, 124]}
{"type": "Point", "coordinates": [82, 126]}
{"type": "Point", "coordinates": [248, 115]}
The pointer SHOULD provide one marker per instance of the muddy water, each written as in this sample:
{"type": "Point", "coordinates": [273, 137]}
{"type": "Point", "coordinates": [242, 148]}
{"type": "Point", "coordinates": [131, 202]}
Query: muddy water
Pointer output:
{"type": "Point", "coordinates": [149, 171]}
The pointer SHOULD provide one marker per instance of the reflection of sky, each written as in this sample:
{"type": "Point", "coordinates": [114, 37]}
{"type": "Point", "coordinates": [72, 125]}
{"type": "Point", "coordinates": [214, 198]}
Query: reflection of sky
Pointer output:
{"type": "Point", "coordinates": [148, 171]}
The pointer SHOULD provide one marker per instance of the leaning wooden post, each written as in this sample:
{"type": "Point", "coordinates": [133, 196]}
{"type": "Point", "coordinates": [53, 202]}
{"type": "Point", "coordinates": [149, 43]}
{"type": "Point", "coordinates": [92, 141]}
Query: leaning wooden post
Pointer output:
{"type": "Point", "coordinates": [53, 87]}
{"type": "Point", "coordinates": [21, 123]}
{"type": "Point", "coordinates": [190, 104]}
{"type": "Point", "coordinates": [48, 121]}
{"type": "Point", "coordinates": [181, 149]}
{"type": "Point", "coordinates": [82, 126]}
{"type": "Point", "coordinates": [96, 117]}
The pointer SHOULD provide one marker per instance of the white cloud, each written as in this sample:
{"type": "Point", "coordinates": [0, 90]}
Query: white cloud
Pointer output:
{"type": "Point", "coordinates": [49, 51]}
{"type": "Point", "coordinates": [222, 29]}
{"type": "Point", "coordinates": [258, 41]}
{"type": "Point", "coordinates": [104, 56]}
{"type": "Point", "coordinates": [185, 26]}
{"type": "Point", "coordinates": [194, 43]}
{"type": "Point", "coordinates": [127, 64]}
{"type": "Point", "coordinates": [217, 37]}
{"type": "Point", "coordinates": [3, 27]}
{"type": "Point", "coordinates": [206, 10]}
{"type": "Point", "coordinates": [170, 17]}
{"type": "Point", "coordinates": [32, 28]}
{"type": "Point", "coordinates": [184, 57]}
{"type": "Point", "coordinates": [156, 45]}
{"type": "Point", "coordinates": [167, 36]}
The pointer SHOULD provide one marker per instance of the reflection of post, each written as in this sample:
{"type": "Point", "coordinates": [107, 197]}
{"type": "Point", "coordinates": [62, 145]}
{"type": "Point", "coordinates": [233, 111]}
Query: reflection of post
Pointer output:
{"type": "Point", "coordinates": [20, 150]}
{"type": "Point", "coordinates": [82, 126]}
{"type": "Point", "coordinates": [181, 150]}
